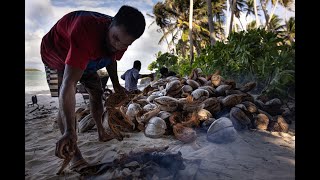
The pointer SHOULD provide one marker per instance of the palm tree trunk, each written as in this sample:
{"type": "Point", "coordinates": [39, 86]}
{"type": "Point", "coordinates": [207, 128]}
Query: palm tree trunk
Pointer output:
{"type": "Point", "coordinates": [256, 13]}
{"type": "Point", "coordinates": [174, 50]}
{"type": "Point", "coordinates": [190, 31]}
{"type": "Point", "coordinates": [285, 14]}
{"type": "Point", "coordinates": [265, 12]}
{"type": "Point", "coordinates": [233, 5]}
{"type": "Point", "coordinates": [198, 48]}
{"type": "Point", "coordinates": [222, 34]}
{"type": "Point", "coordinates": [210, 21]}
{"type": "Point", "coordinates": [241, 24]}
{"type": "Point", "coordinates": [272, 12]}
{"type": "Point", "coordinates": [184, 53]}
{"type": "Point", "coordinates": [174, 47]}
{"type": "Point", "coordinates": [227, 21]}
{"type": "Point", "coordinates": [235, 27]}
{"type": "Point", "coordinates": [163, 31]}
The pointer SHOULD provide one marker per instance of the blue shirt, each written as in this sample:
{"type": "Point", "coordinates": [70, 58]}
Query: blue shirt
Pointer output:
{"type": "Point", "coordinates": [131, 77]}
{"type": "Point", "coordinates": [94, 66]}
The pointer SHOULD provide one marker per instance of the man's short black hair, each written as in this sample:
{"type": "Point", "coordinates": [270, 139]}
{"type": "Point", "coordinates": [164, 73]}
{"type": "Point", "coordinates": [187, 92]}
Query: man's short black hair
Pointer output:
{"type": "Point", "coordinates": [132, 20]}
{"type": "Point", "coordinates": [136, 64]}
{"type": "Point", "coordinates": [163, 70]}
{"type": "Point", "coordinates": [171, 73]}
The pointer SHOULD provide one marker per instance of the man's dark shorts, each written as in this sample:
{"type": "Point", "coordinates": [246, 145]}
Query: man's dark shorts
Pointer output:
{"type": "Point", "coordinates": [91, 81]}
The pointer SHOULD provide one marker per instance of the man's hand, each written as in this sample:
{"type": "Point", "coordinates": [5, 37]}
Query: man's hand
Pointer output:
{"type": "Point", "coordinates": [151, 76]}
{"type": "Point", "coordinates": [65, 147]}
{"type": "Point", "coordinates": [120, 89]}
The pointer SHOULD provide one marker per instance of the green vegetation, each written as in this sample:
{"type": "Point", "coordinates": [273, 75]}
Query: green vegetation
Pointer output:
{"type": "Point", "coordinates": [263, 52]}
{"type": "Point", "coordinates": [256, 55]}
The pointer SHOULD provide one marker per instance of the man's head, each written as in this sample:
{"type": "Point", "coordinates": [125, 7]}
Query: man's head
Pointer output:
{"type": "Point", "coordinates": [127, 26]}
{"type": "Point", "coordinates": [171, 73]}
{"type": "Point", "coordinates": [137, 64]}
{"type": "Point", "coordinates": [164, 71]}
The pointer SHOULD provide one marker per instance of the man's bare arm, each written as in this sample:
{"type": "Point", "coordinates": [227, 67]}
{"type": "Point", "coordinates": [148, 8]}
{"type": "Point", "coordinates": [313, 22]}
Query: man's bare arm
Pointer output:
{"type": "Point", "coordinates": [67, 97]}
{"type": "Point", "coordinates": [145, 75]}
{"type": "Point", "coordinates": [112, 70]}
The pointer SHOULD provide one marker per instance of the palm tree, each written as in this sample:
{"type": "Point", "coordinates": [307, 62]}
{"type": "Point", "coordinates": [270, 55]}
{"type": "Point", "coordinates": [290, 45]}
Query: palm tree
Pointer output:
{"type": "Point", "coordinates": [288, 31]}
{"type": "Point", "coordinates": [236, 27]}
{"type": "Point", "coordinates": [274, 3]}
{"type": "Point", "coordinates": [285, 3]}
{"type": "Point", "coordinates": [201, 33]}
{"type": "Point", "coordinates": [161, 30]}
{"type": "Point", "coordinates": [256, 13]}
{"type": "Point", "coordinates": [210, 22]}
{"type": "Point", "coordinates": [236, 8]}
{"type": "Point", "coordinates": [219, 16]}
{"type": "Point", "coordinates": [263, 4]}
{"type": "Point", "coordinates": [240, 6]}
{"type": "Point", "coordinates": [275, 24]}
{"type": "Point", "coordinates": [249, 8]}
{"type": "Point", "coordinates": [160, 19]}
{"type": "Point", "coordinates": [232, 7]}
{"type": "Point", "coordinates": [252, 8]}
{"type": "Point", "coordinates": [190, 31]}
{"type": "Point", "coordinates": [181, 47]}
{"type": "Point", "coordinates": [173, 15]}
{"type": "Point", "coordinates": [251, 25]}
{"type": "Point", "coordinates": [288, 5]}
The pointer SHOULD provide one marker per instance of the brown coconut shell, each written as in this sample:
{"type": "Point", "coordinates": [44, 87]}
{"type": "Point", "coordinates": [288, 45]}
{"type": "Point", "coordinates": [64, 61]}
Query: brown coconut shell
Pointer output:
{"type": "Point", "coordinates": [231, 100]}
{"type": "Point", "coordinates": [280, 125]}
{"type": "Point", "coordinates": [261, 121]}
{"type": "Point", "coordinates": [184, 134]}
{"type": "Point", "coordinates": [248, 86]}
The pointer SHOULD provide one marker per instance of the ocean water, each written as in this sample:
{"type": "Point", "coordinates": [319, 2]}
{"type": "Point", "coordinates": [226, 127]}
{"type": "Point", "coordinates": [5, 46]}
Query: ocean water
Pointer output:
{"type": "Point", "coordinates": [36, 81]}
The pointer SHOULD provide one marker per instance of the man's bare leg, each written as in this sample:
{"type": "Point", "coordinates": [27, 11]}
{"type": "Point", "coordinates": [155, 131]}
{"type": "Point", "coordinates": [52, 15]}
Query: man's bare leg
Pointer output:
{"type": "Point", "coordinates": [96, 109]}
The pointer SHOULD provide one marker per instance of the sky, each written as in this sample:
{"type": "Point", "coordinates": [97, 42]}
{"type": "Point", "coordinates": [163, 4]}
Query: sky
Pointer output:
{"type": "Point", "coordinates": [41, 15]}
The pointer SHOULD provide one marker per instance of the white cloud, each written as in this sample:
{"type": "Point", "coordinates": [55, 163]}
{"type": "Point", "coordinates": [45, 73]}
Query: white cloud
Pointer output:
{"type": "Point", "coordinates": [37, 13]}
{"type": "Point", "coordinates": [284, 13]}
{"type": "Point", "coordinates": [41, 15]}
{"type": "Point", "coordinates": [149, 2]}
{"type": "Point", "coordinates": [32, 43]}
{"type": "Point", "coordinates": [89, 3]}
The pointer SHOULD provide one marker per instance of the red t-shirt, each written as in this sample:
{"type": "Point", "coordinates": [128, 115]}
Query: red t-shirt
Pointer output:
{"type": "Point", "coordinates": [77, 38]}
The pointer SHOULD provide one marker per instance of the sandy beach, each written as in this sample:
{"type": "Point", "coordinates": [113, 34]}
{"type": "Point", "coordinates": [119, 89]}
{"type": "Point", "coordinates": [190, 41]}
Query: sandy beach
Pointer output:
{"type": "Point", "coordinates": [253, 155]}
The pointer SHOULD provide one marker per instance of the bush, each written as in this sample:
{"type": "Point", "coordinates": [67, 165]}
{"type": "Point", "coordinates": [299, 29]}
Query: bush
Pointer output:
{"type": "Point", "coordinates": [254, 55]}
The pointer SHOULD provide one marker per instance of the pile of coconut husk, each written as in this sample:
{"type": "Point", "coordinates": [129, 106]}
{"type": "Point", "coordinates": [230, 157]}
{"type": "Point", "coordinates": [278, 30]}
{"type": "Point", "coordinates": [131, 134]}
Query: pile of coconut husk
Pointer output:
{"type": "Point", "coordinates": [180, 106]}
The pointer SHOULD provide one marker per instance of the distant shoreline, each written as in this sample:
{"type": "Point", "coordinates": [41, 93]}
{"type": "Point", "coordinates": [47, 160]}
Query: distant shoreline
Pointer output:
{"type": "Point", "coordinates": [31, 69]}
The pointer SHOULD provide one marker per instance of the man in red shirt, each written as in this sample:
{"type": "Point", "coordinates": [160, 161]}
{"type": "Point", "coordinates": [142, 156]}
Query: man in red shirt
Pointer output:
{"type": "Point", "coordinates": [78, 45]}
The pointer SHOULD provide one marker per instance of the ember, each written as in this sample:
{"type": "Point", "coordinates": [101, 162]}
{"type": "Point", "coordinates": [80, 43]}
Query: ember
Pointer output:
{"type": "Point", "coordinates": [143, 165]}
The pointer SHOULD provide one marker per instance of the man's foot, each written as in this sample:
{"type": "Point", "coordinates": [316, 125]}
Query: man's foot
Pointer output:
{"type": "Point", "coordinates": [107, 136]}
{"type": "Point", "coordinates": [78, 165]}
